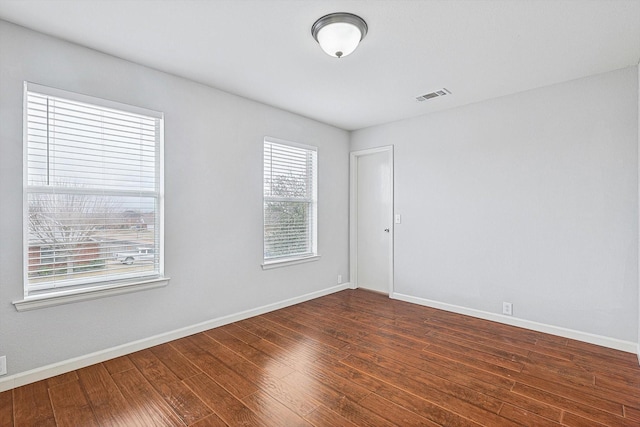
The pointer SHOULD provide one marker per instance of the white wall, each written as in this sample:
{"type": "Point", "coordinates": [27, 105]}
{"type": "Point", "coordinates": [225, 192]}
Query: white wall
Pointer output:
{"type": "Point", "coordinates": [530, 198]}
{"type": "Point", "coordinates": [213, 204]}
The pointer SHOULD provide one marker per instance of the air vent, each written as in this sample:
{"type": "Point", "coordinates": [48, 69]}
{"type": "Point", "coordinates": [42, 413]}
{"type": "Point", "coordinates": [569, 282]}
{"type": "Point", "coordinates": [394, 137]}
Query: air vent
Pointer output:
{"type": "Point", "coordinates": [442, 92]}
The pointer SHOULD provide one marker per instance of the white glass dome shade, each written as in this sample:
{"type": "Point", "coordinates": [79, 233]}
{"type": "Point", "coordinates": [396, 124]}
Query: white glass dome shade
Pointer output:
{"type": "Point", "coordinates": [339, 33]}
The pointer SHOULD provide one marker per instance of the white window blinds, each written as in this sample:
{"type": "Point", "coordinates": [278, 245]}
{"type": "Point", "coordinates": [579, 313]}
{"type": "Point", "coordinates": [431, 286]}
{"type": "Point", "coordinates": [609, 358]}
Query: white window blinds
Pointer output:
{"type": "Point", "coordinates": [92, 190]}
{"type": "Point", "coordinates": [290, 208]}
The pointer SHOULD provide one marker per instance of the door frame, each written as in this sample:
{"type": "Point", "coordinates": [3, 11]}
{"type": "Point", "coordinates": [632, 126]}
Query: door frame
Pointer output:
{"type": "Point", "coordinates": [353, 213]}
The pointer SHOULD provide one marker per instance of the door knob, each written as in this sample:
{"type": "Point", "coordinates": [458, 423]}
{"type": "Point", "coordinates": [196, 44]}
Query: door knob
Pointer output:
{"type": "Point", "coordinates": [386, 229]}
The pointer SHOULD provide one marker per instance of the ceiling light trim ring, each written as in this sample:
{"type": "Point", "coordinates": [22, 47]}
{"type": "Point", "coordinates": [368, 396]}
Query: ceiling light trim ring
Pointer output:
{"type": "Point", "coordinates": [339, 17]}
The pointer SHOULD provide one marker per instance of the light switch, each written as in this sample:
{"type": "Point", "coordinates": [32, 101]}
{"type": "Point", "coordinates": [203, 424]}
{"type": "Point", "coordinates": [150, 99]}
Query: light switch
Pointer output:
{"type": "Point", "coordinates": [398, 218]}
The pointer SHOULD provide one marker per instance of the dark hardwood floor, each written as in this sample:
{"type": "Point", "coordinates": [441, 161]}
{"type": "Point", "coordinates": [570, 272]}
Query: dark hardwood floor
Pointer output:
{"type": "Point", "coordinates": [354, 358]}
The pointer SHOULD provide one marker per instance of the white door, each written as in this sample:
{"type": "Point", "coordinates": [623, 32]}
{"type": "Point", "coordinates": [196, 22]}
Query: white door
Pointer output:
{"type": "Point", "coordinates": [373, 206]}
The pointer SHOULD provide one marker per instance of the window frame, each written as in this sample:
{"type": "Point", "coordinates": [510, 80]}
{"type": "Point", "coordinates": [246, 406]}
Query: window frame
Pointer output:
{"type": "Point", "coordinates": [93, 287]}
{"type": "Point", "coordinates": [281, 261]}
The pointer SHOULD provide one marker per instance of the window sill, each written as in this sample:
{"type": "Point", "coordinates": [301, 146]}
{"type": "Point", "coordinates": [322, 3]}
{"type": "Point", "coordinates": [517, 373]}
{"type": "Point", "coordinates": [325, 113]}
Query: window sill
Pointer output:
{"type": "Point", "coordinates": [75, 295]}
{"type": "Point", "coordinates": [268, 265]}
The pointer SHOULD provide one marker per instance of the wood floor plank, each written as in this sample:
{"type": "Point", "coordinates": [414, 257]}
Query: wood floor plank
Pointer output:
{"type": "Point", "coordinates": [579, 394]}
{"type": "Point", "coordinates": [321, 306]}
{"type": "Point", "coordinates": [337, 376]}
{"type": "Point", "coordinates": [70, 405]}
{"type": "Point", "coordinates": [430, 387]}
{"type": "Point", "coordinates": [525, 418]}
{"type": "Point", "coordinates": [396, 340]}
{"type": "Point", "coordinates": [320, 372]}
{"type": "Point", "coordinates": [240, 333]}
{"type": "Point", "coordinates": [109, 405]}
{"type": "Point", "coordinates": [498, 331]}
{"type": "Point", "coordinates": [352, 358]}
{"type": "Point", "coordinates": [223, 375]}
{"type": "Point", "coordinates": [313, 348]}
{"type": "Point", "coordinates": [572, 420]}
{"type": "Point", "coordinates": [61, 379]}
{"type": "Point", "coordinates": [282, 355]}
{"type": "Point", "coordinates": [481, 381]}
{"type": "Point", "coordinates": [422, 407]}
{"type": "Point", "coordinates": [570, 405]}
{"type": "Point", "coordinates": [307, 331]}
{"type": "Point", "coordinates": [32, 406]}
{"type": "Point", "coordinates": [229, 408]}
{"type": "Point", "coordinates": [395, 413]}
{"type": "Point", "coordinates": [252, 354]}
{"type": "Point", "coordinates": [119, 364]}
{"type": "Point", "coordinates": [359, 414]}
{"type": "Point", "coordinates": [480, 414]}
{"type": "Point", "coordinates": [250, 372]}
{"type": "Point", "coordinates": [602, 354]}
{"type": "Point", "coordinates": [552, 348]}
{"type": "Point", "coordinates": [175, 361]}
{"type": "Point", "coordinates": [567, 369]}
{"type": "Point", "coordinates": [273, 412]}
{"type": "Point", "coordinates": [325, 417]}
{"type": "Point", "coordinates": [338, 327]}
{"type": "Point", "coordinates": [427, 409]}
{"type": "Point", "coordinates": [267, 379]}
{"type": "Point", "coordinates": [619, 394]}
{"type": "Point", "coordinates": [445, 368]}
{"type": "Point", "coordinates": [613, 378]}
{"type": "Point", "coordinates": [6, 408]}
{"type": "Point", "coordinates": [336, 401]}
{"type": "Point", "coordinates": [478, 380]}
{"type": "Point", "coordinates": [304, 353]}
{"type": "Point", "coordinates": [459, 356]}
{"type": "Point", "coordinates": [489, 348]}
{"type": "Point", "coordinates": [405, 329]}
{"type": "Point", "coordinates": [525, 342]}
{"type": "Point", "coordinates": [141, 395]}
{"type": "Point", "coordinates": [531, 405]}
{"type": "Point", "coordinates": [489, 328]}
{"type": "Point", "coordinates": [470, 336]}
{"type": "Point", "coordinates": [290, 395]}
{"type": "Point", "coordinates": [211, 421]}
{"type": "Point", "coordinates": [385, 314]}
{"type": "Point", "coordinates": [475, 353]}
{"type": "Point", "coordinates": [632, 414]}
{"type": "Point", "coordinates": [181, 399]}
{"type": "Point", "coordinates": [569, 374]}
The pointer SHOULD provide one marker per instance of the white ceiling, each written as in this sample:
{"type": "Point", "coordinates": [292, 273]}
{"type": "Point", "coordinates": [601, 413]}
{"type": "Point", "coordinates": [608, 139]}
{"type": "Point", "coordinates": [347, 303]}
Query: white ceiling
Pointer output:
{"type": "Point", "coordinates": [263, 49]}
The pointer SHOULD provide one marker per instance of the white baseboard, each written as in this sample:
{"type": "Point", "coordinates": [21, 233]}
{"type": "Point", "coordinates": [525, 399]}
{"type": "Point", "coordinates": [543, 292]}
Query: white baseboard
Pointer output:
{"type": "Point", "coordinates": [614, 343]}
{"type": "Point", "coordinates": [69, 365]}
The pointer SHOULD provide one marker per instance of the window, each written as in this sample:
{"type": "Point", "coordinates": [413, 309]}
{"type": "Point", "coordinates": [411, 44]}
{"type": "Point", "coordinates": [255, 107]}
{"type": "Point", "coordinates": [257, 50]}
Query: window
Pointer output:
{"type": "Point", "coordinates": [290, 201]}
{"type": "Point", "coordinates": [93, 193]}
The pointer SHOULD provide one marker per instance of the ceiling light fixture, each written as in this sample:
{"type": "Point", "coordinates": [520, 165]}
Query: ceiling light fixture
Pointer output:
{"type": "Point", "coordinates": [339, 33]}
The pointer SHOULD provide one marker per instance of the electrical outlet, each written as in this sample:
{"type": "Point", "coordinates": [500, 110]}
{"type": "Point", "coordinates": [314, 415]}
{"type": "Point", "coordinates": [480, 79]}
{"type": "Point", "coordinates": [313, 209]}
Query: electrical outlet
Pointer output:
{"type": "Point", "coordinates": [507, 308]}
{"type": "Point", "coordinates": [339, 279]}
{"type": "Point", "coordinates": [3, 365]}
